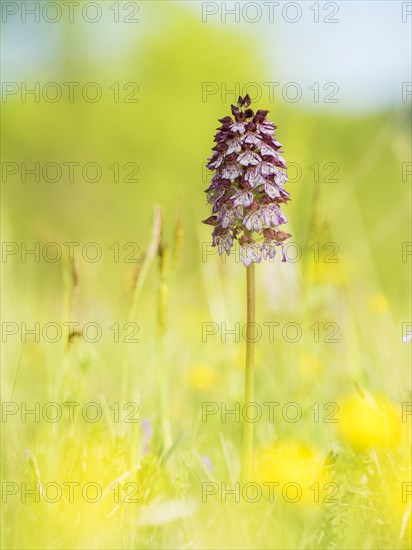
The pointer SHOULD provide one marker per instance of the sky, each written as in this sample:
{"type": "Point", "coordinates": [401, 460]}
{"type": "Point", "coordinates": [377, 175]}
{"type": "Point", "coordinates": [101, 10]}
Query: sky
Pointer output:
{"type": "Point", "coordinates": [347, 55]}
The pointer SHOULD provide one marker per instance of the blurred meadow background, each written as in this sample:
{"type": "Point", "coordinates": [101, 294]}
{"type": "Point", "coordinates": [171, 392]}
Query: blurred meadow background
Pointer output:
{"type": "Point", "coordinates": [167, 71]}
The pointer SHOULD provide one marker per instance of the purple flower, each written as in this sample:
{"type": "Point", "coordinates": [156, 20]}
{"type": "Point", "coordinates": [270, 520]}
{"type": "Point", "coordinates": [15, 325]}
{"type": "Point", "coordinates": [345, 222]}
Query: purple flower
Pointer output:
{"type": "Point", "coordinates": [253, 221]}
{"type": "Point", "coordinates": [254, 176]}
{"type": "Point", "coordinates": [280, 177]}
{"type": "Point", "coordinates": [223, 239]}
{"type": "Point", "coordinates": [271, 189]}
{"type": "Point", "coordinates": [248, 157]}
{"type": "Point", "coordinates": [267, 150]}
{"type": "Point", "coordinates": [242, 197]}
{"type": "Point", "coordinates": [247, 187]}
{"type": "Point", "coordinates": [267, 168]}
{"type": "Point", "coordinates": [234, 146]}
{"type": "Point", "coordinates": [207, 463]}
{"type": "Point", "coordinates": [215, 161]}
{"type": "Point", "coordinates": [268, 249]}
{"type": "Point", "coordinates": [238, 128]}
{"type": "Point", "coordinates": [214, 194]}
{"type": "Point", "coordinates": [251, 138]}
{"type": "Point", "coordinates": [272, 239]}
{"type": "Point", "coordinates": [231, 170]}
{"type": "Point", "coordinates": [272, 215]}
{"type": "Point", "coordinates": [147, 429]}
{"type": "Point", "coordinates": [226, 216]}
{"type": "Point", "coordinates": [249, 251]}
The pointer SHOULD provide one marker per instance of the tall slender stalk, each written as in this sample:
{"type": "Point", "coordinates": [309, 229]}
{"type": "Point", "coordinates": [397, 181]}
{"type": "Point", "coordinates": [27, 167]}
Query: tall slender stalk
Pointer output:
{"type": "Point", "coordinates": [140, 276]}
{"type": "Point", "coordinates": [247, 453]}
{"type": "Point", "coordinates": [162, 303]}
{"type": "Point", "coordinates": [167, 260]}
{"type": "Point", "coordinates": [164, 397]}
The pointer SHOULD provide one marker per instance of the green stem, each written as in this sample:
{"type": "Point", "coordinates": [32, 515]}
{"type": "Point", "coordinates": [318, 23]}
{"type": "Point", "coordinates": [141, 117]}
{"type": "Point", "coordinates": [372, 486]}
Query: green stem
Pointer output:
{"type": "Point", "coordinates": [164, 397]}
{"type": "Point", "coordinates": [247, 453]}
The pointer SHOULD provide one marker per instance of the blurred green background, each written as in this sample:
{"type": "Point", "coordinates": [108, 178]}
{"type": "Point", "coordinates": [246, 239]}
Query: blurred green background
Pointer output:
{"type": "Point", "coordinates": [350, 190]}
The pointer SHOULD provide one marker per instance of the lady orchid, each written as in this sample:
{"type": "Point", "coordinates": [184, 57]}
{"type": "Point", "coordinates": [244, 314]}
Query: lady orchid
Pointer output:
{"type": "Point", "coordinates": [246, 193]}
{"type": "Point", "coordinates": [247, 187]}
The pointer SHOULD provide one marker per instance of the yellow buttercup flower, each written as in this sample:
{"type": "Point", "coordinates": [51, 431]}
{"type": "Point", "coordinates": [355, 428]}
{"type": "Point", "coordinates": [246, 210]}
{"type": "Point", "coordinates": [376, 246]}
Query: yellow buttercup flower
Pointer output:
{"type": "Point", "coordinates": [296, 472]}
{"type": "Point", "coordinates": [202, 377]}
{"type": "Point", "coordinates": [369, 421]}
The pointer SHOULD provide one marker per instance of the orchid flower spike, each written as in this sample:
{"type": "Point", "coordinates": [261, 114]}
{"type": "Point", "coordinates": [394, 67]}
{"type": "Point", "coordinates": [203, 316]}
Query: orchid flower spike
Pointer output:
{"type": "Point", "coordinates": [247, 187]}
